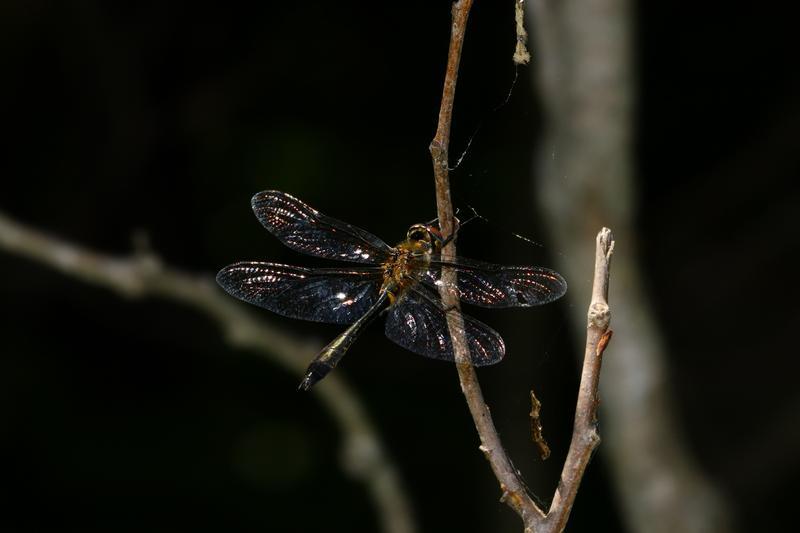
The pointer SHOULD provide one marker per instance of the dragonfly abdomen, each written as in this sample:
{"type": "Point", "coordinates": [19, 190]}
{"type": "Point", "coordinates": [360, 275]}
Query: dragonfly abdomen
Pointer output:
{"type": "Point", "coordinates": [329, 357]}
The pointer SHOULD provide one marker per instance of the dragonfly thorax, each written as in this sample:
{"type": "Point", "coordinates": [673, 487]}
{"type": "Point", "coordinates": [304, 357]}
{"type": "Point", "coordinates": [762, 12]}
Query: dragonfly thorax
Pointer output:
{"type": "Point", "coordinates": [397, 270]}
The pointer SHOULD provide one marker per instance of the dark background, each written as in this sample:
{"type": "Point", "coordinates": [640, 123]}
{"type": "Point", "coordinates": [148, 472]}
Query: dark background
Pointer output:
{"type": "Point", "coordinates": [164, 118]}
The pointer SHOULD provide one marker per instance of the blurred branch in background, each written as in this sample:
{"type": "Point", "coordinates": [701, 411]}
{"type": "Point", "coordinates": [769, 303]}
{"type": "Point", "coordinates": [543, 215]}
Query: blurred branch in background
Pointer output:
{"type": "Point", "coordinates": [585, 179]}
{"type": "Point", "coordinates": [142, 274]}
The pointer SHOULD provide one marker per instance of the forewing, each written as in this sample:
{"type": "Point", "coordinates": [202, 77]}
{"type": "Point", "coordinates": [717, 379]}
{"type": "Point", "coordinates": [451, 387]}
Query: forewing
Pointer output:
{"type": "Point", "coordinates": [490, 285]}
{"type": "Point", "coordinates": [337, 296]}
{"type": "Point", "coordinates": [306, 230]}
{"type": "Point", "coordinates": [418, 323]}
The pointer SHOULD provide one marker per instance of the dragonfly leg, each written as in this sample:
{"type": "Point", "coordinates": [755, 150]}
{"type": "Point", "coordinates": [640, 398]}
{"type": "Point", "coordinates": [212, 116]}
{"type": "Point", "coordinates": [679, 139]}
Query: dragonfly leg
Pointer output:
{"type": "Point", "coordinates": [474, 216]}
{"type": "Point", "coordinates": [470, 219]}
{"type": "Point", "coordinates": [458, 225]}
{"type": "Point", "coordinates": [442, 241]}
{"type": "Point", "coordinates": [450, 238]}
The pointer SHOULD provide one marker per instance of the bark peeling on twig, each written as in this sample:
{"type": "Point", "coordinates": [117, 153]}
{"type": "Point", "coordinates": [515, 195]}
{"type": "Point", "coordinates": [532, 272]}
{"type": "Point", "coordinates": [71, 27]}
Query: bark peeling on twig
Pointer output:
{"type": "Point", "coordinates": [585, 437]}
{"type": "Point", "coordinates": [536, 427]}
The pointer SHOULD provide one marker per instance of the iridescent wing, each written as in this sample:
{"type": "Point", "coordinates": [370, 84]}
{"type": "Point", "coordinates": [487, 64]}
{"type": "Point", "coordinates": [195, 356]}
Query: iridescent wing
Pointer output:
{"type": "Point", "coordinates": [333, 295]}
{"type": "Point", "coordinates": [490, 285]}
{"type": "Point", "coordinates": [306, 230]}
{"type": "Point", "coordinates": [418, 323]}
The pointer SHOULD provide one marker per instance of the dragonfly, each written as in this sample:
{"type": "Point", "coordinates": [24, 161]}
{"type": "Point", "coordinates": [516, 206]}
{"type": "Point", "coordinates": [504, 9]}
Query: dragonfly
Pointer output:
{"type": "Point", "coordinates": [402, 282]}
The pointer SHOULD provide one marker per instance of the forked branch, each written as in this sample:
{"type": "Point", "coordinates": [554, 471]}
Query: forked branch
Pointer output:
{"type": "Point", "coordinates": [585, 437]}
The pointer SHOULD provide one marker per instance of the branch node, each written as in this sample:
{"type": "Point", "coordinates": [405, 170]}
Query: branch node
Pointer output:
{"type": "Point", "coordinates": [486, 450]}
{"type": "Point", "coordinates": [605, 240]}
{"type": "Point", "coordinates": [437, 153]}
{"type": "Point", "coordinates": [504, 494]}
{"type": "Point", "coordinates": [599, 315]}
{"type": "Point", "coordinates": [593, 437]}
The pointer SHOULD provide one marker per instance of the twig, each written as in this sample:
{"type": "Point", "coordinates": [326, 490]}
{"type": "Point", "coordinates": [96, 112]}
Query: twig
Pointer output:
{"type": "Point", "coordinates": [364, 456]}
{"type": "Point", "coordinates": [585, 437]}
{"type": "Point", "coordinates": [513, 489]}
{"type": "Point", "coordinates": [584, 433]}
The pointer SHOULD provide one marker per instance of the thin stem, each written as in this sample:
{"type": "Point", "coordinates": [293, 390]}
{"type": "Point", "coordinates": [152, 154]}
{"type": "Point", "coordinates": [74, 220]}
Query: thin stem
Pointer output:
{"type": "Point", "coordinates": [584, 433]}
{"type": "Point", "coordinates": [514, 493]}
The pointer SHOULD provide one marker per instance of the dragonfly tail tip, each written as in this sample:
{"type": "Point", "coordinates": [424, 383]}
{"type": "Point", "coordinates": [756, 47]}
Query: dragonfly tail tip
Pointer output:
{"type": "Point", "coordinates": [315, 372]}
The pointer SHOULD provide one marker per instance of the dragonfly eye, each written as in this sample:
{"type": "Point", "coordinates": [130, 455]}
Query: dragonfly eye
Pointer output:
{"type": "Point", "coordinates": [418, 233]}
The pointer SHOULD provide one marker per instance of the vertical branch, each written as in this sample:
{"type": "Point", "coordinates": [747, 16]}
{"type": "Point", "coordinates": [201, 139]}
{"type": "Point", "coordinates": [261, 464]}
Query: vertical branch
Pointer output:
{"type": "Point", "coordinates": [440, 145]}
{"type": "Point", "coordinates": [514, 493]}
{"type": "Point", "coordinates": [584, 433]}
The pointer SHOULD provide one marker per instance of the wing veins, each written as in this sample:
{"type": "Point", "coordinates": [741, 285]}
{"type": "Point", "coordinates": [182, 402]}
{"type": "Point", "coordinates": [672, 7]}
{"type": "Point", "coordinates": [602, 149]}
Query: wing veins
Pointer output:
{"type": "Point", "coordinates": [421, 326]}
{"type": "Point", "coordinates": [303, 228]}
{"type": "Point", "coordinates": [334, 295]}
{"type": "Point", "coordinates": [492, 285]}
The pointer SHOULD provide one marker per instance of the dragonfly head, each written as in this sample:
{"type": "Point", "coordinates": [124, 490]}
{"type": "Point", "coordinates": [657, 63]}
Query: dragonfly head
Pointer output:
{"type": "Point", "coordinates": [420, 237]}
{"type": "Point", "coordinates": [428, 236]}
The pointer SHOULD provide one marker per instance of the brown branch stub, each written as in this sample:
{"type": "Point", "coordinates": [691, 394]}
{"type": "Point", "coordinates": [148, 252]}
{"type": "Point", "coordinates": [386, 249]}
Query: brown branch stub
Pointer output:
{"type": "Point", "coordinates": [585, 437]}
{"type": "Point", "coordinates": [604, 340]}
{"type": "Point", "coordinates": [536, 427]}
